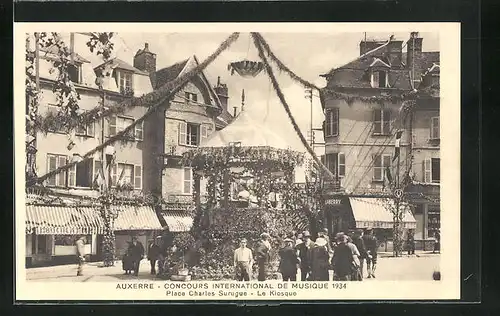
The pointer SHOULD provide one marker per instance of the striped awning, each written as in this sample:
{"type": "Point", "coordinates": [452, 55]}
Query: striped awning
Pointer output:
{"type": "Point", "coordinates": [376, 213]}
{"type": "Point", "coordinates": [178, 221]}
{"type": "Point", "coordinates": [136, 218]}
{"type": "Point", "coordinates": [62, 220]}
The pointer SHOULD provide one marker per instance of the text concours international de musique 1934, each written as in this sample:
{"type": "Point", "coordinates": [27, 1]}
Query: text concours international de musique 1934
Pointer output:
{"type": "Point", "coordinates": [232, 289]}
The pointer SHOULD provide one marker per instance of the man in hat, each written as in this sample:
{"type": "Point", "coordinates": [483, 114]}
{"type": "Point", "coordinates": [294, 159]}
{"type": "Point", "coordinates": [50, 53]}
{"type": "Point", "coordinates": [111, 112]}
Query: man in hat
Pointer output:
{"type": "Point", "coordinates": [243, 261]}
{"type": "Point", "coordinates": [320, 260]}
{"type": "Point", "coordinates": [305, 256]}
{"type": "Point", "coordinates": [357, 239]}
{"type": "Point", "coordinates": [324, 234]}
{"type": "Point", "coordinates": [262, 255]}
{"type": "Point", "coordinates": [342, 260]}
{"type": "Point", "coordinates": [136, 253]}
{"type": "Point", "coordinates": [154, 253]}
{"type": "Point", "coordinates": [80, 252]}
{"type": "Point", "coordinates": [371, 245]}
{"type": "Point", "coordinates": [288, 261]}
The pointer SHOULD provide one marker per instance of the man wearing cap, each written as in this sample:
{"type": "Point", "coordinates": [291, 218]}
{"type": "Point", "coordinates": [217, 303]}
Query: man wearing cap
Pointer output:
{"type": "Point", "coordinates": [288, 261]}
{"type": "Point", "coordinates": [371, 245]}
{"type": "Point", "coordinates": [262, 255]}
{"type": "Point", "coordinates": [243, 261]}
{"type": "Point", "coordinates": [80, 252]}
{"type": "Point", "coordinates": [305, 255]}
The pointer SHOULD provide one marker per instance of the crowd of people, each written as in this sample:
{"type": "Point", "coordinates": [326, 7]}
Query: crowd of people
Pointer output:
{"type": "Point", "coordinates": [346, 256]}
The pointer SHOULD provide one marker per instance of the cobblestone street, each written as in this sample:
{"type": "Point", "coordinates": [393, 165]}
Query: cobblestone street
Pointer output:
{"type": "Point", "coordinates": [412, 268]}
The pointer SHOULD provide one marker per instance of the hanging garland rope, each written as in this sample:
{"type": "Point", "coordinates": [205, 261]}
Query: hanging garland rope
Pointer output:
{"type": "Point", "coordinates": [280, 95]}
{"type": "Point", "coordinates": [349, 98]}
{"type": "Point", "coordinates": [155, 99]}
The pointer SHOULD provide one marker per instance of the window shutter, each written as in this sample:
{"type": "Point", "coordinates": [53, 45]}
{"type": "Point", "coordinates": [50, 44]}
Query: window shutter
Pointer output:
{"type": "Point", "coordinates": [72, 176]}
{"type": "Point", "coordinates": [97, 168]}
{"type": "Point", "coordinates": [377, 121]}
{"type": "Point", "coordinates": [335, 122]}
{"type": "Point", "coordinates": [139, 128]}
{"type": "Point", "coordinates": [112, 126]}
{"type": "Point", "coordinates": [113, 174]}
{"type": "Point", "coordinates": [61, 176]}
{"type": "Point", "coordinates": [427, 170]}
{"type": "Point", "coordinates": [435, 128]}
{"type": "Point", "coordinates": [377, 167]}
{"type": "Point", "coordinates": [91, 129]}
{"type": "Point", "coordinates": [341, 164]}
{"type": "Point", "coordinates": [328, 124]}
{"type": "Point", "coordinates": [204, 133]}
{"type": "Point", "coordinates": [138, 177]}
{"type": "Point", "coordinates": [375, 79]}
{"type": "Point", "coordinates": [182, 133]}
{"type": "Point", "coordinates": [51, 165]}
{"type": "Point", "coordinates": [387, 122]}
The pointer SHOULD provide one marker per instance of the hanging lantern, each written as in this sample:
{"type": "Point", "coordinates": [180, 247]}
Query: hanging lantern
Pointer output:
{"type": "Point", "coordinates": [246, 68]}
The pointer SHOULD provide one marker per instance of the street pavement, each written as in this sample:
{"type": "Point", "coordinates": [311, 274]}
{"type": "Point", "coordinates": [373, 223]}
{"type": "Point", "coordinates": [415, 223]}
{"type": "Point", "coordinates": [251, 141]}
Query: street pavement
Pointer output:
{"type": "Point", "coordinates": [410, 268]}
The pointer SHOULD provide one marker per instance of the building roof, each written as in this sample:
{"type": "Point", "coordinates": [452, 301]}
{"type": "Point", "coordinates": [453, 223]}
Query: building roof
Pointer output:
{"type": "Point", "coordinates": [53, 50]}
{"type": "Point", "coordinates": [120, 64]}
{"type": "Point", "coordinates": [355, 74]}
{"type": "Point", "coordinates": [169, 73]}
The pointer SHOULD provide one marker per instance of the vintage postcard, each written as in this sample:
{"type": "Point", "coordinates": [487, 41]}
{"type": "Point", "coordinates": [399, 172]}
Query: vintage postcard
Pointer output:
{"type": "Point", "coordinates": [237, 161]}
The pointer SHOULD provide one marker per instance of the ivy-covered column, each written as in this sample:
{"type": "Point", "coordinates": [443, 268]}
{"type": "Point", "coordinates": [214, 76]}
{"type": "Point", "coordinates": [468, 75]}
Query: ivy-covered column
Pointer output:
{"type": "Point", "coordinates": [108, 243]}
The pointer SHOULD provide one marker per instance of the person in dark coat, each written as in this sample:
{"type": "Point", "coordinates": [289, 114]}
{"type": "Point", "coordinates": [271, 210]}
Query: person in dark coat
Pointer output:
{"type": "Point", "coordinates": [127, 263]}
{"type": "Point", "coordinates": [262, 255]}
{"type": "Point", "coordinates": [320, 260]}
{"type": "Point", "coordinates": [288, 261]}
{"type": "Point", "coordinates": [137, 253]}
{"type": "Point", "coordinates": [410, 242]}
{"type": "Point", "coordinates": [437, 244]}
{"type": "Point", "coordinates": [153, 254]}
{"type": "Point", "coordinates": [304, 250]}
{"type": "Point", "coordinates": [358, 241]}
{"type": "Point", "coordinates": [371, 245]}
{"type": "Point", "coordinates": [342, 260]}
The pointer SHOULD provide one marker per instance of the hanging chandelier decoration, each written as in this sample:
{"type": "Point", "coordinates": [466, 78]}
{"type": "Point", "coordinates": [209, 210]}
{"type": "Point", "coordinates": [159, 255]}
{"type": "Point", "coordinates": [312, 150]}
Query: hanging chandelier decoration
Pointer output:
{"type": "Point", "coordinates": [246, 68]}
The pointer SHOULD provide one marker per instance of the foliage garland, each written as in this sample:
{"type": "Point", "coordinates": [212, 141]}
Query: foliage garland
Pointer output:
{"type": "Point", "coordinates": [154, 99]}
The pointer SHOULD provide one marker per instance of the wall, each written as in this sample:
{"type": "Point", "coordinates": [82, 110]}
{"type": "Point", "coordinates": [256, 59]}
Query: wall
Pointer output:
{"type": "Point", "coordinates": [423, 147]}
{"type": "Point", "coordinates": [358, 144]}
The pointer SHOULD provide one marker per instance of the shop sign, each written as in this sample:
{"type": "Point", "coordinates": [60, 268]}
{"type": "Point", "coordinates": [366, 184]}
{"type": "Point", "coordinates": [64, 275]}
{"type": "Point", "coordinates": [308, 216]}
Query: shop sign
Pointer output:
{"type": "Point", "coordinates": [333, 202]}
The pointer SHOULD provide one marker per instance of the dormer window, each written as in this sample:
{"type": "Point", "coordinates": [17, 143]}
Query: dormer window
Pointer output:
{"type": "Point", "coordinates": [191, 97]}
{"type": "Point", "coordinates": [123, 81]}
{"type": "Point", "coordinates": [75, 73]}
{"type": "Point", "coordinates": [379, 79]}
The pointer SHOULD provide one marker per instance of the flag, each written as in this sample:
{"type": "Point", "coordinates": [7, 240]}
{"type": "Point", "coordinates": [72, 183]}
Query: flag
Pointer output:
{"type": "Point", "coordinates": [397, 144]}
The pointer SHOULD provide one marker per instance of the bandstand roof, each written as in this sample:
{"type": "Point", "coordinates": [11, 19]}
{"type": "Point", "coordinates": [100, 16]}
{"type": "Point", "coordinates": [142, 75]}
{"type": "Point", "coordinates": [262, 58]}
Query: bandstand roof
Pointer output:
{"type": "Point", "coordinates": [246, 131]}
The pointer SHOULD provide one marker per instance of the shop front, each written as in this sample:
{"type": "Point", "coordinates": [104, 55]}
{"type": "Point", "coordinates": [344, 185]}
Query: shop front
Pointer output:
{"type": "Point", "coordinates": [141, 222]}
{"type": "Point", "coordinates": [51, 232]}
{"type": "Point", "coordinates": [336, 214]}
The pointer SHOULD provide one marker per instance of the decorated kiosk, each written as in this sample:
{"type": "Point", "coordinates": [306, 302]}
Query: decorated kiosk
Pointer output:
{"type": "Point", "coordinates": [249, 172]}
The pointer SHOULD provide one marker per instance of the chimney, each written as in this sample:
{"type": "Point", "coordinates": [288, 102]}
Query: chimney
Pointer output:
{"type": "Point", "coordinates": [145, 60]}
{"type": "Point", "coordinates": [414, 49]}
{"type": "Point", "coordinates": [222, 92]}
{"type": "Point", "coordinates": [395, 53]}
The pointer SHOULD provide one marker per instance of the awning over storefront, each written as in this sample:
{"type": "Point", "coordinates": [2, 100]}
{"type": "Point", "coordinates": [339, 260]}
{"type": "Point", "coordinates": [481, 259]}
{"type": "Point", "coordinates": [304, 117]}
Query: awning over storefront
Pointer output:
{"type": "Point", "coordinates": [178, 221]}
{"type": "Point", "coordinates": [136, 218]}
{"type": "Point", "coordinates": [62, 220]}
{"type": "Point", "coordinates": [376, 213]}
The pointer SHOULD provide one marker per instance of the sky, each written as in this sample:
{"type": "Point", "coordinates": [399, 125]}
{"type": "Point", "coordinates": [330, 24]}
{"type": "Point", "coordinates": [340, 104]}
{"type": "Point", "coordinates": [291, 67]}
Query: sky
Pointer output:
{"type": "Point", "coordinates": [307, 54]}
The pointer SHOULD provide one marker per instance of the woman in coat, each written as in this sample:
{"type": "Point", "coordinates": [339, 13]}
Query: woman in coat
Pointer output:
{"type": "Point", "coordinates": [127, 262]}
{"type": "Point", "coordinates": [319, 260]}
{"type": "Point", "coordinates": [288, 261]}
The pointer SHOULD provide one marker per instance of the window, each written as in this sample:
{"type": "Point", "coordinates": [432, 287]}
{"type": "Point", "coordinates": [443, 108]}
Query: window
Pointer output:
{"type": "Point", "coordinates": [42, 244]}
{"type": "Point", "coordinates": [191, 97]}
{"type": "Point", "coordinates": [190, 134]}
{"type": "Point", "coordinates": [80, 175]}
{"type": "Point", "coordinates": [75, 73]}
{"type": "Point", "coordinates": [123, 81]}
{"type": "Point", "coordinates": [435, 127]}
{"type": "Point", "coordinates": [336, 162]}
{"type": "Point", "coordinates": [54, 162]}
{"type": "Point", "coordinates": [122, 173]}
{"type": "Point", "coordinates": [85, 130]}
{"type": "Point", "coordinates": [187, 181]}
{"type": "Point", "coordinates": [381, 122]}
{"type": "Point", "coordinates": [380, 163]}
{"type": "Point", "coordinates": [332, 122]}
{"type": "Point", "coordinates": [53, 108]}
{"type": "Point", "coordinates": [120, 123]}
{"type": "Point", "coordinates": [432, 170]}
{"type": "Point", "coordinates": [379, 79]}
